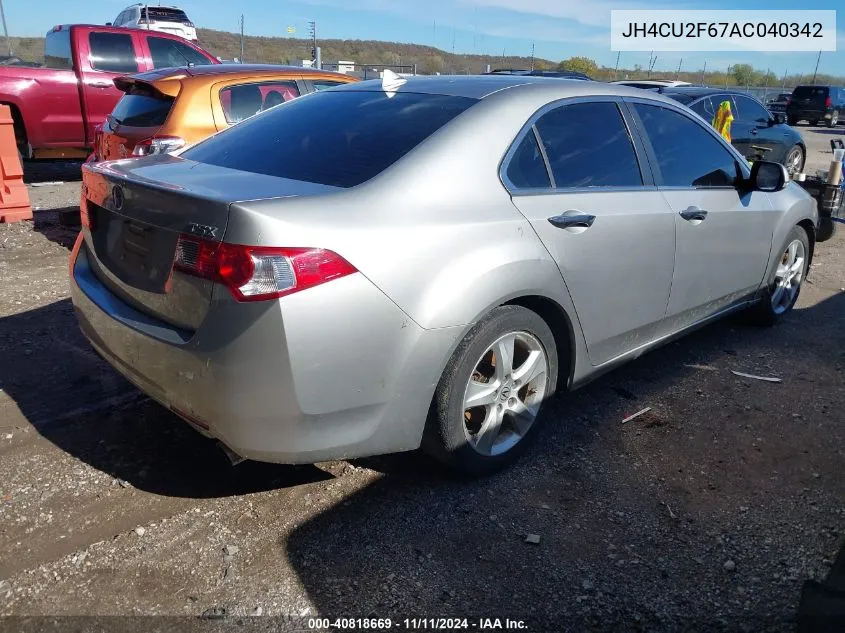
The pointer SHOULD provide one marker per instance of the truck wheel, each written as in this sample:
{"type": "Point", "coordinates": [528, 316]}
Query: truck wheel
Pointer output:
{"type": "Point", "coordinates": [834, 119]}
{"type": "Point", "coordinates": [792, 121]}
{"type": "Point", "coordinates": [488, 404]}
{"type": "Point", "coordinates": [814, 123]}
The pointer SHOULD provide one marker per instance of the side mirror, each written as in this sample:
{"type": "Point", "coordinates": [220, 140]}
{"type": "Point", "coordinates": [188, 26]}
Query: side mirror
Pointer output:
{"type": "Point", "coordinates": [778, 118]}
{"type": "Point", "coordinates": [108, 23]}
{"type": "Point", "coordinates": [767, 176]}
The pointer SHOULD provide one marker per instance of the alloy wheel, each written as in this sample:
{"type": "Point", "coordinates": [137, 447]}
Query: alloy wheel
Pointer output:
{"type": "Point", "coordinates": [788, 277]}
{"type": "Point", "coordinates": [794, 161]}
{"type": "Point", "coordinates": [504, 393]}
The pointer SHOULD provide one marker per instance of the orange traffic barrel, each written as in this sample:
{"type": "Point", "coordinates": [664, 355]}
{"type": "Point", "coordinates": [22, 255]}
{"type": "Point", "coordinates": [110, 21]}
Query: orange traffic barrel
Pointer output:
{"type": "Point", "coordinates": [14, 198]}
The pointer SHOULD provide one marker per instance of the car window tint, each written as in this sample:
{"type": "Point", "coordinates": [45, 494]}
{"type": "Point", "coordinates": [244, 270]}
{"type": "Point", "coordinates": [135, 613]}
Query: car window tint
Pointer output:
{"type": "Point", "coordinates": [588, 145]}
{"type": "Point", "coordinates": [749, 111]}
{"type": "Point", "coordinates": [167, 53]}
{"type": "Point", "coordinates": [323, 84]}
{"type": "Point", "coordinates": [57, 50]}
{"type": "Point", "coordinates": [244, 100]}
{"type": "Point", "coordinates": [687, 154]}
{"type": "Point", "coordinates": [527, 169]}
{"type": "Point", "coordinates": [112, 52]}
{"type": "Point", "coordinates": [142, 107]}
{"type": "Point", "coordinates": [307, 140]}
{"type": "Point", "coordinates": [704, 109]}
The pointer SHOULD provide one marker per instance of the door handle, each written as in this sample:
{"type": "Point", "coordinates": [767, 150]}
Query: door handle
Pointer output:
{"type": "Point", "coordinates": [692, 214]}
{"type": "Point", "coordinates": [573, 220]}
{"type": "Point", "coordinates": [100, 84]}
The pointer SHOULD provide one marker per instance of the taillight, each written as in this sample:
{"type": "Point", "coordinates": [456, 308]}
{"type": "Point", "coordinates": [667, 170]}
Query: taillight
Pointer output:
{"type": "Point", "coordinates": [258, 273]}
{"type": "Point", "coordinates": [158, 145]}
{"type": "Point", "coordinates": [788, 101]}
{"type": "Point", "coordinates": [828, 103]}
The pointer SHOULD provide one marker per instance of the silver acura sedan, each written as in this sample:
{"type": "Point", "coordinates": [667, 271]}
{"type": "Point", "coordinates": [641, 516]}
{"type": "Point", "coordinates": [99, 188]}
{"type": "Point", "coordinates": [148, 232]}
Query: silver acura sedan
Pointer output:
{"type": "Point", "coordinates": [423, 262]}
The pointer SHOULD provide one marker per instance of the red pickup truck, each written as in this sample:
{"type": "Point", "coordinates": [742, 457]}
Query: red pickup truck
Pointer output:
{"type": "Point", "coordinates": [57, 108]}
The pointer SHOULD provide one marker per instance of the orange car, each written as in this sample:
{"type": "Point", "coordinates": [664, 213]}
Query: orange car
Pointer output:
{"type": "Point", "coordinates": [164, 110]}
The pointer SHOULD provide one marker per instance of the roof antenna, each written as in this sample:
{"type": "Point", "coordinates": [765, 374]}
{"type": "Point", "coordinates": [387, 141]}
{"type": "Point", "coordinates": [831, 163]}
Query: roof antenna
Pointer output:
{"type": "Point", "coordinates": [391, 82]}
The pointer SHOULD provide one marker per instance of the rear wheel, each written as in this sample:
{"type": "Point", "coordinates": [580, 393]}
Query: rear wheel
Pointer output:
{"type": "Point", "coordinates": [487, 406]}
{"type": "Point", "coordinates": [834, 119]}
{"type": "Point", "coordinates": [813, 122]}
{"type": "Point", "coordinates": [791, 121]}
{"type": "Point", "coordinates": [785, 283]}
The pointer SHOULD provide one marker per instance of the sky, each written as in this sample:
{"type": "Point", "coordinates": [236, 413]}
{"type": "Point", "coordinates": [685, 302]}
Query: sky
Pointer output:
{"type": "Point", "coordinates": [557, 29]}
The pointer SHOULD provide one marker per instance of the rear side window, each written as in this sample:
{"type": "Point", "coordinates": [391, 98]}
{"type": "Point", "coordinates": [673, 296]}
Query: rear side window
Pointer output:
{"type": "Point", "coordinates": [245, 100]}
{"type": "Point", "coordinates": [588, 145]}
{"type": "Point", "coordinates": [704, 109]}
{"type": "Point", "coordinates": [527, 169]}
{"type": "Point", "coordinates": [307, 139]}
{"type": "Point", "coordinates": [112, 52]}
{"type": "Point", "coordinates": [142, 108]}
{"type": "Point", "coordinates": [57, 50]}
{"type": "Point", "coordinates": [687, 154]}
{"type": "Point", "coordinates": [167, 53]}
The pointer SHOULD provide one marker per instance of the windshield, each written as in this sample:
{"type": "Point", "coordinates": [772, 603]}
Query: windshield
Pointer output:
{"type": "Point", "coordinates": [338, 138]}
{"type": "Point", "coordinates": [141, 108]}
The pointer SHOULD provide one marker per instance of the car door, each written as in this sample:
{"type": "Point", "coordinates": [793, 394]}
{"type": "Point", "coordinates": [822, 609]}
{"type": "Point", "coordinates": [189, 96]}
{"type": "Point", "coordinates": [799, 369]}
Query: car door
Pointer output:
{"type": "Point", "coordinates": [579, 177]}
{"type": "Point", "coordinates": [723, 232]}
{"type": "Point", "coordinates": [762, 132]}
{"type": "Point", "coordinates": [110, 55]}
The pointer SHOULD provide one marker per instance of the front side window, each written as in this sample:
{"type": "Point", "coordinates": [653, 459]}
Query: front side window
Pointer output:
{"type": "Point", "coordinates": [308, 140]}
{"type": "Point", "coordinates": [527, 169]}
{"type": "Point", "coordinates": [588, 145]}
{"type": "Point", "coordinates": [112, 52]}
{"type": "Point", "coordinates": [687, 154]}
{"type": "Point", "coordinates": [245, 100]}
{"type": "Point", "coordinates": [749, 111]}
{"type": "Point", "coordinates": [167, 53]}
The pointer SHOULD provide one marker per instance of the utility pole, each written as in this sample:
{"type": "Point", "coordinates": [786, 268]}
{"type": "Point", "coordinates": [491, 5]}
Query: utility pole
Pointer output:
{"type": "Point", "coordinates": [616, 70]}
{"type": "Point", "coordinates": [5, 30]}
{"type": "Point", "coordinates": [816, 71]}
{"type": "Point", "coordinates": [727, 72]}
{"type": "Point", "coordinates": [242, 38]}
{"type": "Point", "coordinates": [532, 55]}
{"type": "Point", "coordinates": [434, 42]}
{"type": "Point", "coordinates": [703, 72]}
{"type": "Point", "coordinates": [678, 74]}
{"type": "Point", "coordinates": [785, 73]}
{"type": "Point", "coordinates": [454, 35]}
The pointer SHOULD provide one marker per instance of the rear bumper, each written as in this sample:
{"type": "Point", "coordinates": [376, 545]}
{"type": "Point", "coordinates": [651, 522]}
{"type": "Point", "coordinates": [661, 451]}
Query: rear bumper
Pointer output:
{"type": "Point", "coordinates": [810, 115]}
{"type": "Point", "coordinates": [296, 380]}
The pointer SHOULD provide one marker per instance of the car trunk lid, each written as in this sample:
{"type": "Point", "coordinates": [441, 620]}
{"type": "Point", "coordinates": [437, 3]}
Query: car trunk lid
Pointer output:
{"type": "Point", "coordinates": [138, 116]}
{"type": "Point", "coordinates": [136, 212]}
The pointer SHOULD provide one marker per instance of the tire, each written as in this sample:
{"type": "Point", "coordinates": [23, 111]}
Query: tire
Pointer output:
{"type": "Point", "coordinates": [454, 434]}
{"type": "Point", "coordinates": [781, 292]}
{"type": "Point", "coordinates": [826, 230]}
{"type": "Point", "coordinates": [794, 163]}
{"type": "Point", "coordinates": [813, 123]}
{"type": "Point", "coordinates": [791, 121]}
{"type": "Point", "coordinates": [834, 119]}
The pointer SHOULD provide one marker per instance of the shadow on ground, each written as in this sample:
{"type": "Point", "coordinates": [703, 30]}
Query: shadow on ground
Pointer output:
{"type": "Point", "coordinates": [635, 522]}
{"type": "Point", "coordinates": [43, 171]}
{"type": "Point", "coordinates": [78, 402]}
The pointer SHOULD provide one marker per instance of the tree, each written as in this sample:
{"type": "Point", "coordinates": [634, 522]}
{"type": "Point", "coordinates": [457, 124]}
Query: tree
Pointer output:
{"type": "Point", "coordinates": [744, 74]}
{"type": "Point", "coordinates": [432, 64]}
{"type": "Point", "coordinates": [579, 65]}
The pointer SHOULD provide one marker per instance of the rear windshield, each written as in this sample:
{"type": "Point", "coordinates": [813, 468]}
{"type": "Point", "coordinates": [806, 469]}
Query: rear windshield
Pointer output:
{"type": "Point", "coordinates": [141, 108]}
{"type": "Point", "coordinates": [816, 93]}
{"type": "Point", "coordinates": [163, 14]}
{"type": "Point", "coordinates": [337, 138]}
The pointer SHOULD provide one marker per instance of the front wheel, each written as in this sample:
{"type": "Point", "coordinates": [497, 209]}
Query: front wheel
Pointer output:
{"type": "Point", "coordinates": [487, 405]}
{"type": "Point", "coordinates": [784, 285]}
{"type": "Point", "coordinates": [794, 161]}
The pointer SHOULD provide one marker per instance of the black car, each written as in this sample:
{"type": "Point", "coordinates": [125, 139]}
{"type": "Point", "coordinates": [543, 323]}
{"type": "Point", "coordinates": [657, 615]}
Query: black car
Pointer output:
{"type": "Point", "coordinates": [816, 104]}
{"type": "Point", "coordinates": [777, 103]}
{"type": "Point", "coordinates": [755, 132]}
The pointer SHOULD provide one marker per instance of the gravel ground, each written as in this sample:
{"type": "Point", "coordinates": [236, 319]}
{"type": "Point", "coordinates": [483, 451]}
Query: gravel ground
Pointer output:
{"type": "Point", "coordinates": [706, 514]}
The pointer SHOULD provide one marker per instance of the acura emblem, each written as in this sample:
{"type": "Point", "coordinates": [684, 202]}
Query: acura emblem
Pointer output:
{"type": "Point", "coordinates": [117, 198]}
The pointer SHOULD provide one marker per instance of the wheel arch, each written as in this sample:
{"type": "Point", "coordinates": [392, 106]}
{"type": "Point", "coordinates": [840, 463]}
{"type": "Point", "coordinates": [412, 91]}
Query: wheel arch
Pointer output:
{"type": "Point", "coordinates": [21, 137]}
{"type": "Point", "coordinates": [810, 229]}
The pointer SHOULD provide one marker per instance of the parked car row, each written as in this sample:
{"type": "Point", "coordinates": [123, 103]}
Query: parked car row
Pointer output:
{"type": "Point", "coordinates": [421, 262]}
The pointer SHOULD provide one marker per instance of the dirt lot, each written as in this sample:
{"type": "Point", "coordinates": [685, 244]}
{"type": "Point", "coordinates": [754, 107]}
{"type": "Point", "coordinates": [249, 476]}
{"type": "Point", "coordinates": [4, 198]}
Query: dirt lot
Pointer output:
{"type": "Point", "coordinates": [707, 514]}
